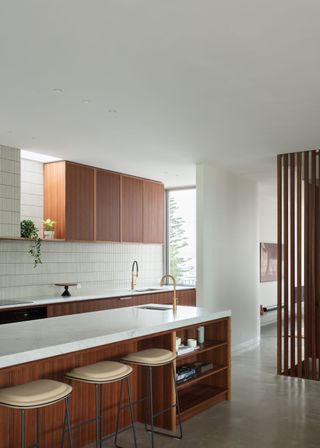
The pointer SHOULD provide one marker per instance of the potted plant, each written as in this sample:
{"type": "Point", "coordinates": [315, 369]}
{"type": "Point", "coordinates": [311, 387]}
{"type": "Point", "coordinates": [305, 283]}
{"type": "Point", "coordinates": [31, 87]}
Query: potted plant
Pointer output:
{"type": "Point", "coordinates": [48, 228]}
{"type": "Point", "coordinates": [29, 230]}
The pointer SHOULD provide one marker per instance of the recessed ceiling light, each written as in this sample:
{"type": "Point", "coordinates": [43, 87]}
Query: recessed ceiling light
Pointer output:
{"type": "Point", "coordinates": [57, 91]}
{"type": "Point", "coordinates": [86, 101]}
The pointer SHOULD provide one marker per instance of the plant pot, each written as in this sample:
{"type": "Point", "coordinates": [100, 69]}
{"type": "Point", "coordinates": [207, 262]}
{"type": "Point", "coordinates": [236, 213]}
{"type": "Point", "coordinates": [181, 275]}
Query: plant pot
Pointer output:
{"type": "Point", "coordinates": [48, 234]}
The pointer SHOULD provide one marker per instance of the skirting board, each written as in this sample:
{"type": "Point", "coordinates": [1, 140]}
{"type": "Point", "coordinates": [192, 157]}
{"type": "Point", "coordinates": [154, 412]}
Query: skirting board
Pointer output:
{"type": "Point", "coordinates": [245, 346]}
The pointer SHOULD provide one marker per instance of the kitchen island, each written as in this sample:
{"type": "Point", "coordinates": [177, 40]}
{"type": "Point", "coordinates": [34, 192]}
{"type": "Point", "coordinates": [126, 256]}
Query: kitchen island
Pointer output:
{"type": "Point", "coordinates": [49, 348]}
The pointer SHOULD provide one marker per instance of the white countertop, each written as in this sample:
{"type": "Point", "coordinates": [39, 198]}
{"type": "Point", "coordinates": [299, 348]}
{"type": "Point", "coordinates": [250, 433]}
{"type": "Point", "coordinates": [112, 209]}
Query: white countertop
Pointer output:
{"type": "Point", "coordinates": [38, 339]}
{"type": "Point", "coordinates": [81, 295]}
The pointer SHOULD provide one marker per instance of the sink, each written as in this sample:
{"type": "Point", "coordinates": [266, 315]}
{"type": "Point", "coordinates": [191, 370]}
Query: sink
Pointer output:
{"type": "Point", "coordinates": [156, 307]}
{"type": "Point", "coordinates": [147, 289]}
{"type": "Point", "coordinates": [13, 302]}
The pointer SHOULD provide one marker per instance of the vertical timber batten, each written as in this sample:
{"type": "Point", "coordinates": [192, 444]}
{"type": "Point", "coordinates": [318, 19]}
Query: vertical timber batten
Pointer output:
{"type": "Point", "coordinates": [298, 271]}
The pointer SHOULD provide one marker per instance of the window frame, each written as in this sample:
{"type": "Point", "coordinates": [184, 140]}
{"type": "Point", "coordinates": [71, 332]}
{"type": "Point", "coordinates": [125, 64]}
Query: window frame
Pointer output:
{"type": "Point", "coordinates": [166, 245]}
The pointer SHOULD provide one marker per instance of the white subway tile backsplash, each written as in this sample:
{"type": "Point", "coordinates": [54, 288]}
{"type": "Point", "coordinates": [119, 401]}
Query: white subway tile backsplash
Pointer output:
{"type": "Point", "coordinates": [9, 191]}
{"type": "Point", "coordinates": [95, 266]}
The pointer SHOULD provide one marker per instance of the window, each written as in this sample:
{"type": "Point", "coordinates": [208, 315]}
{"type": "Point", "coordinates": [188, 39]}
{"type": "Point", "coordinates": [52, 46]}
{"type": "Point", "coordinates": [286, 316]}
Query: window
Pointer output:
{"type": "Point", "coordinates": [181, 237]}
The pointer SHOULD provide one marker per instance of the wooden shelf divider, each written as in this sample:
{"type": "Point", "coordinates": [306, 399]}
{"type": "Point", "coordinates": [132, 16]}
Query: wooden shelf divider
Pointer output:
{"type": "Point", "coordinates": [201, 376]}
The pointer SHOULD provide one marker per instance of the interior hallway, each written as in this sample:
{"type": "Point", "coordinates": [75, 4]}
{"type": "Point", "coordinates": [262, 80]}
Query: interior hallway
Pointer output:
{"type": "Point", "coordinates": [266, 410]}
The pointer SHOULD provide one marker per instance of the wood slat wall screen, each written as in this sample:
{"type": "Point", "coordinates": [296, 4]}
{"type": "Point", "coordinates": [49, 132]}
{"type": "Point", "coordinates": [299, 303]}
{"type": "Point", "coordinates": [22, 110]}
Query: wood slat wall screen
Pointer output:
{"type": "Point", "coordinates": [299, 264]}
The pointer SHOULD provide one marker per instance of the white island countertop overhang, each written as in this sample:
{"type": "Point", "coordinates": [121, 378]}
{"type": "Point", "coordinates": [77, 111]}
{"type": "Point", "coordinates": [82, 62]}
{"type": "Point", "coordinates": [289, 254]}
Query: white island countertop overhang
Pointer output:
{"type": "Point", "coordinates": [39, 339]}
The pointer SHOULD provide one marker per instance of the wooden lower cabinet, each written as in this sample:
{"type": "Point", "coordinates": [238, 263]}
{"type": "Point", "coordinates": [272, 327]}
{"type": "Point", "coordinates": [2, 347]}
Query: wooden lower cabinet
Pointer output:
{"type": "Point", "coordinates": [197, 394]}
{"type": "Point", "coordinates": [186, 297]}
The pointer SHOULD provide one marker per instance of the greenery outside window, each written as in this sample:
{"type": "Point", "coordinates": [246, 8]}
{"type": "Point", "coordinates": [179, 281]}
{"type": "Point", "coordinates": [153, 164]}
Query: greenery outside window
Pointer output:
{"type": "Point", "coordinates": [181, 235]}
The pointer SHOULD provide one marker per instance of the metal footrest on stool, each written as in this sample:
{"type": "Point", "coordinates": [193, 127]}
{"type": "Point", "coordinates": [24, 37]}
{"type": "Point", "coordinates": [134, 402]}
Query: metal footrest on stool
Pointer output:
{"type": "Point", "coordinates": [101, 373]}
{"type": "Point", "coordinates": [149, 359]}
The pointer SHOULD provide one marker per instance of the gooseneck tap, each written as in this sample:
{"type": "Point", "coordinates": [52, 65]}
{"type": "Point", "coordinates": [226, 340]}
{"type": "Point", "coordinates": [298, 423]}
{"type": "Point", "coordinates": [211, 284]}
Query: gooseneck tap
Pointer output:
{"type": "Point", "coordinates": [174, 298]}
{"type": "Point", "coordinates": [134, 274]}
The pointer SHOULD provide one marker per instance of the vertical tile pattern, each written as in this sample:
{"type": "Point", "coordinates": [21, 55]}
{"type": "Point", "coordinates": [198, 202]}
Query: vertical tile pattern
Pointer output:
{"type": "Point", "coordinates": [32, 191]}
{"type": "Point", "coordinates": [9, 191]}
{"type": "Point", "coordinates": [95, 265]}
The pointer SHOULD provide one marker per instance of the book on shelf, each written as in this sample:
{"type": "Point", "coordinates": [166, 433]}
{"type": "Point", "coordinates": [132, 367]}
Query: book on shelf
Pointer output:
{"type": "Point", "coordinates": [183, 349]}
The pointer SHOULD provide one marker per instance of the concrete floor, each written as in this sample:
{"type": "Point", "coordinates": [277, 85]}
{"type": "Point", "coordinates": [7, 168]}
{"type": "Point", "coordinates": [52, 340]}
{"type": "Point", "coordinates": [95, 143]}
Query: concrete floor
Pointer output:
{"type": "Point", "coordinates": [266, 410]}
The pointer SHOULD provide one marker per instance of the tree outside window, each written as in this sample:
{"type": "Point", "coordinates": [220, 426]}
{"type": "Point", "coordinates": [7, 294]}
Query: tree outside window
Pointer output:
{"type": "Point", "coordinates": [182, 235]}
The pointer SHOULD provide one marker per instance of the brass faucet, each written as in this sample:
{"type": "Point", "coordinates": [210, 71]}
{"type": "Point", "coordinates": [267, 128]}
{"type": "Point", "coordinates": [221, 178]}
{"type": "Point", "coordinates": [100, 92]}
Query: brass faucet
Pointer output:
{"type": "Point", "coordinates": [174, 298]}
{"type": "Point", "coordinates": [134, 275]}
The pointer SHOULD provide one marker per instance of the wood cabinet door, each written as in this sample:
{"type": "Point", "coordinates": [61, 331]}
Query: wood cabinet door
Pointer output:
{"type": "Point", "coordinates": [107, 206]}
{"type": "Point", "coordinates": [79, 202]}
{"type": "Point", "coordinates": [54, 195]}
{"type": "Point", "coordinates": [153, 212]}
{"type": "Point", "coordinates": [131, 206]}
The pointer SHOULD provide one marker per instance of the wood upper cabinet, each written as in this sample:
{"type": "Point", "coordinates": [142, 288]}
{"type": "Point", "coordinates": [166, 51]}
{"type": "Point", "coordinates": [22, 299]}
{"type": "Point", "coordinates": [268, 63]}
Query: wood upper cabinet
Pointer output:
{"type": "Point", "coordinates": [131, 209]}
{"type": "Point", "coordinates": [69, 199]}
{"type": "Point", "coordinates": [54, 180]}
{"type": "Point", "coordinates": [79, 202]}
{"type": "Point", "coordinates": [153, 212]}
{"type": "Point", "coordinates": [107, 206]}
{"type": "Point", "coordinates": [91, 204]}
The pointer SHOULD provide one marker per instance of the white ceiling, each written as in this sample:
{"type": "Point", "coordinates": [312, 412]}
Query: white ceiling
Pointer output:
{"type": "Point", "coordinates": [232, 82]}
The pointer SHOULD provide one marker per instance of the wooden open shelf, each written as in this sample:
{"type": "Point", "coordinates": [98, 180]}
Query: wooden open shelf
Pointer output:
{"type": "Point", "coordinates": [199, 397]}
{"type": "Point", "coordinates": [211, 387]}
{"type": "Point", "coordinates": [201, 376]}
{"type": "Point", "coordinates": [19, 238]}
{"type": "Point", "coordinates": [209, 345]}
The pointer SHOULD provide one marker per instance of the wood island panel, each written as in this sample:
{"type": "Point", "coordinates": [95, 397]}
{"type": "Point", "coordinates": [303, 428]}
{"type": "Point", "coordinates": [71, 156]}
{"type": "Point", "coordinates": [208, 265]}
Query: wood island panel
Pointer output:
{"type": "Point", "coordinates": [196, 395]}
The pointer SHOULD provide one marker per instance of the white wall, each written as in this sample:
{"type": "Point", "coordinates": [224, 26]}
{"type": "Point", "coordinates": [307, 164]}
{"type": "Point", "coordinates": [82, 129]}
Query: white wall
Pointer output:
{"type": "Point", "coordinates": [227, 251]}
{"type": "Point", "coordinates": [267, 233]}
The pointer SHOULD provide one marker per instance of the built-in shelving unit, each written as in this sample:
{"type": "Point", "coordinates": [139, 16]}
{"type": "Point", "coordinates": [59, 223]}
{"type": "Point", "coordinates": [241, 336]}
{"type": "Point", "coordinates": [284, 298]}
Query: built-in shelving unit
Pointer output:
{"type": "Point", "coordinates": [212, 386]}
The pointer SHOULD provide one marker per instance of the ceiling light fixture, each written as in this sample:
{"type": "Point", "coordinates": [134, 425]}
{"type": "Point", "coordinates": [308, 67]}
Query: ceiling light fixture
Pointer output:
{"type": "Point", "coordinates": [57, 91]}
{"type": "Point", "coordinates": [86, 101]}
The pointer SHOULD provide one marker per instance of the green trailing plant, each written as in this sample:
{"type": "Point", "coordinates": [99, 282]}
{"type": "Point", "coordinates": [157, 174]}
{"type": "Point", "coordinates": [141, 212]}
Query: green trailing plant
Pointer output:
{"type": "Point", "coordinates": [29, 230]}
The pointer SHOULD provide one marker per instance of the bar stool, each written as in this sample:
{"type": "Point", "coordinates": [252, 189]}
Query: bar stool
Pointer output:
{"type": "Point", "coordinates": [35, 395]}
{"type": "Point", "coordinates": [151, 358]}
{"type": "Point", "coordinates": [100, 373]}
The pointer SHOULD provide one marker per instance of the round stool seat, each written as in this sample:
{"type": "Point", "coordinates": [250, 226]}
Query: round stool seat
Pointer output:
{"type": "Point", "coordinates": [151, 357]}
{"type": "Point", "coordinates": [100, 372]}
{"type": "Point", "coordinates": [36, 394]}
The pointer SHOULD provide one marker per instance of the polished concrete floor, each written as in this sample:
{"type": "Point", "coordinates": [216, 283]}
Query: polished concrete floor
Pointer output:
{"type": "Point", "coordinates": [266, 410]}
